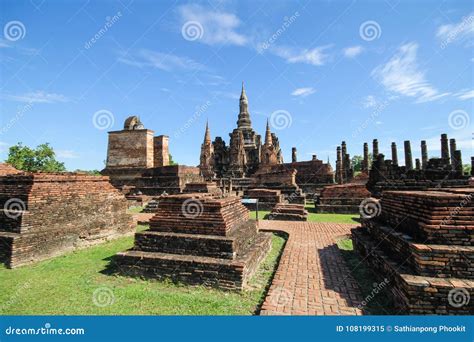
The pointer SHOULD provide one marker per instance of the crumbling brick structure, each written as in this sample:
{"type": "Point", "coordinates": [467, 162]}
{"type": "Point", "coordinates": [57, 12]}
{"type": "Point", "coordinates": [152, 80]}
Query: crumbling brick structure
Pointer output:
{"type": "Point", "coordinates": [198, 239]}
{"type": "Point", "coordinates": [45, 215]}
{"type": "Point", "coordinates": [342, 199]}
{"type": "Point", "coordinates": [422, 243]}
{"type": "Point", "coordinates": [267, 198]}
{"type": "Point", "coordinates": [7, 169]}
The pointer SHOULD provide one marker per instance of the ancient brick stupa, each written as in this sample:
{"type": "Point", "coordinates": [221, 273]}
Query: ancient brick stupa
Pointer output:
{"type": "Point", "coordinates": [422, 243]}
{"type": "Point", "coordinates": [198, 238]}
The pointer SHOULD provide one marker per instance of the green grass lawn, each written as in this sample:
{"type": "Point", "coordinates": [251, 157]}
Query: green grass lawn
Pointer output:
{"type": "Point", "coordinates": [376, 303]}
{"type": "Point", "coordinates": [65, 286]}
{"type": "Point", "coordinates": [316, 217]}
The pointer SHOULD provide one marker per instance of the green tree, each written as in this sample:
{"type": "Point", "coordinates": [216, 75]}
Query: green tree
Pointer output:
{"type": "Point", "coordinates": [466, 168]}
{"type": "Point", "coordinates": [89, 172]}
{"type": "Point", "coordinates": [357, 163]}
{"type": "Point", "coordinates": [172, 162]}
{"type": "Point", "coordinates": [28, 159]}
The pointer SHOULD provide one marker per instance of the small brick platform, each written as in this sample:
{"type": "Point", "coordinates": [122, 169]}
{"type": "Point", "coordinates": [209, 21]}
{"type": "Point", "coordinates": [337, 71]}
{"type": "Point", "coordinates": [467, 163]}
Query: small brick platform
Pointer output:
{"type": "Point", "coordinates": [289, 212]}
{"type": "Point", "coordinates": [342, 199]}
{"type": "Point", "coordinates": [312, 277]}
{"type": "Point", "coordinates": [198, 239]}
{"type": "Point", "coordinates": [267, 198]}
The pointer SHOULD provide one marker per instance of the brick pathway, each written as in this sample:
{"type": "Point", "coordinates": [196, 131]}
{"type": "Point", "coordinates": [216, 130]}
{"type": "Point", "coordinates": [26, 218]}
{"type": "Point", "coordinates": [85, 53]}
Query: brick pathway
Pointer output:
{"type": "Point", "coordinates": [312, 277]}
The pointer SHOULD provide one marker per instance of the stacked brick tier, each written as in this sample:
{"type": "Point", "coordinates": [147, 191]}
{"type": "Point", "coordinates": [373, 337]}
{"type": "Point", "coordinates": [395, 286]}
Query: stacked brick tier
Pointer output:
{"type": "Point", "coordinates": [342, 199]}
{"type": "Point", "coordinates": [57, 213]}
{"type": "Point", "coordinates": [422, 242]}
{"type": "Point", "coordinates": [198, 238]}
{"type": "Point", "coordinates": [206, 187]}
{"type": "Point", "coordinates": [7, 169]}
{"type": "Point", "coordinates": [289, 212]}
{"type": "Point", "coordinates": [267, 198]}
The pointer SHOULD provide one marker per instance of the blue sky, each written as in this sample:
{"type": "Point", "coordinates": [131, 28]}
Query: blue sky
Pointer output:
{"type": "Point", "coordinates": [321, 71]}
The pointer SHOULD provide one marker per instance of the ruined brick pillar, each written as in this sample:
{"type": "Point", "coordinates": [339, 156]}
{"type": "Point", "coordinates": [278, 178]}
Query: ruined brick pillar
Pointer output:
{"type": "Point", "coordinates": [365, 162]}
{"type": "Point", "coordinates": [161, 151]}
{"type": "Point", "coordinates": [339, 165]}
{"type": "Point", "coordinates": [394, 154]}
{"type": "Point", "coordinates": [417, 164]}
{"type": "Point", "coordinates": [294, 159]}
{"type": "Point", "coordinates": [375, 148]}
{"type": "Point", "coordinates": [408, 156]}
{"type": "Point", "coordinates": [424, 155]}
{"type": "Point", "coordinates": [452, 149]}
{"type": "Point", "coordinates": [458, 161]}
{"type": "Point", "coordinates": [472, 166]}
{"type": "Point", "coordinates": [444, 147]}
{"type": "Point", "coordinates": [315, 157]}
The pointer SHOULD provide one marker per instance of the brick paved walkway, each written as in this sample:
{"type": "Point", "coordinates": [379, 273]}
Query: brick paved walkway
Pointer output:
{"type": "Point", "coordinates": [312, 277]}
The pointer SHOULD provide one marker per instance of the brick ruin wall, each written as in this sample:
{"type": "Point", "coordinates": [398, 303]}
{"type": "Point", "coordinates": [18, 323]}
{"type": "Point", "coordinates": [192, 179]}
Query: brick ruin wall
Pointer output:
{"type": "Point", "coordinates": [422, 243]}
{"type": "Point", "coordinates": [58, 213]}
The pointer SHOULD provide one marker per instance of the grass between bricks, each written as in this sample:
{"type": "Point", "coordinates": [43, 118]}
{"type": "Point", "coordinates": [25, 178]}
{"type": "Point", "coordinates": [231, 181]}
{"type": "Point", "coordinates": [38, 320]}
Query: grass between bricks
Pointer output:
{"type": "Point", "coordinates": [379, 303]}
{"type": "Point", "coordinates": [65, 286]}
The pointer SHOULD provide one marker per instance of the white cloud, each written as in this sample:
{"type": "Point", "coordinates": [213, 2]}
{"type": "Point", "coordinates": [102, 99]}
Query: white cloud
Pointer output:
{"type": "Point", "coordinates": [160, 60]}
{"type": "Point", "coordinates": [67, 154]}
{"type": "Point", "coordinates": [219, 27]}
{"type": "Point", "coordinates": [315, 56]}
{"type": "Point", "coordinates": [465, 94]}
{"type": "Point", "coordinates": [401, 75]}
{"type": "Point", "coordinates": [36, 97]}
{"type": "Point", "coordinates": [353, 51]}
{"type": "Point", "coordinates": [303, 92]}
{"type": "Point", "coordinates": [457, 32]}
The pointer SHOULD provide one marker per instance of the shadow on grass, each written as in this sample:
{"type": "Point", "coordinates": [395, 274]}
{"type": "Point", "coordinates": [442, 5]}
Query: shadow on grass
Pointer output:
{"type": "Point", "coordinates": [376, 296]}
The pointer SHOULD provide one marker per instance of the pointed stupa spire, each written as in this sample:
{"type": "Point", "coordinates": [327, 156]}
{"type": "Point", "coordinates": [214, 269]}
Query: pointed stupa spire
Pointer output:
{"type": "Point", "coordinates": [244, 116]}
{"type": "Point", "coordinates": [207, 135]}
{"type": "Point", "coordinates": [268, 135]}
{"type": "Point", "coordinates": [243, 95]}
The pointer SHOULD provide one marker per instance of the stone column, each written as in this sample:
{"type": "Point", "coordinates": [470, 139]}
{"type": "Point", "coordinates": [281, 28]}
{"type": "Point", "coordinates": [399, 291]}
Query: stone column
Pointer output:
{"type": "Point", "coordinates": [452, 149]}
{"type": "Point", "coordinates": [424, 155]}
{"type": "Point", "coordinates": [294, 159]}
{"type": "Point", "coordinates": [394, 154]}
{"type": "Point", "coordinates": [444, 147]}
{"type": "Point", "coordinates": [417, 164]}
{"type": "Point", "coordinates": [339, 165]}
{"type": "Point", "coordinates": [315, 157]}
{"type": "Point", "coordinates": [472, 166]}
{"type": "Point", "coordinates": [365, 162]}
{"type": "Point", "coordinates": [458, 161]}
{"type": "Point", "coordinates": [375, 148]}
{"type": "Point", "coordinates": [408, 157]}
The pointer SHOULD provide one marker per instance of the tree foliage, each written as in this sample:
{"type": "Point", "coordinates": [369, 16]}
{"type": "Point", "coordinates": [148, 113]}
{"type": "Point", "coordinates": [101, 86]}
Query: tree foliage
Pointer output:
{"type": "Point", "coordinates": [172, 162]}
{"type": "Point", "coordinates": [29, 159]}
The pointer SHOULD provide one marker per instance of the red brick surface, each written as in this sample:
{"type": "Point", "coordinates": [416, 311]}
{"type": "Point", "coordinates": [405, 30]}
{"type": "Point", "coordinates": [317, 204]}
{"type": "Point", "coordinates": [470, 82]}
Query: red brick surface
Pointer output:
{"type": "Point", "coordinates": [312, 277]}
